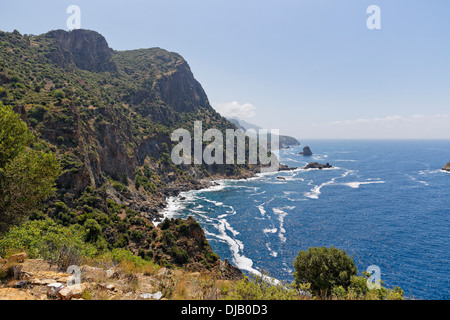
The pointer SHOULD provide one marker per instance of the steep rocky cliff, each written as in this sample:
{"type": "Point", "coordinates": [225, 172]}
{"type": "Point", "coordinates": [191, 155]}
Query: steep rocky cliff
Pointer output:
{"type": "Point", "coordinates": [108, 115]}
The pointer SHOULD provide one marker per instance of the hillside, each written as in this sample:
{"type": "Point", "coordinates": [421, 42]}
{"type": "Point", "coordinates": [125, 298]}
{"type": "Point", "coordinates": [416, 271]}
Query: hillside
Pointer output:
{"type": "Point", "coordinates": [108, 116]}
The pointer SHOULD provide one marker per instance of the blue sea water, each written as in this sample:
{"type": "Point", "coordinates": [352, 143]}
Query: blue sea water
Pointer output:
{"type": "Point", "coordinates": [387, 203]}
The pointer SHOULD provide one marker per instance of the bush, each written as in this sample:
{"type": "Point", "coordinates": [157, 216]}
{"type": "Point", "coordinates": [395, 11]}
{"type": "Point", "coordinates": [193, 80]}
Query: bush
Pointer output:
{"type": "Point", "coordinates": [259, 287]}
{"type": "Point", "coordinates": [324, 269]}
{"type": "Point", "coordinates": [46, 240]}
{"type": "Point", "coordinates": [93, 230]}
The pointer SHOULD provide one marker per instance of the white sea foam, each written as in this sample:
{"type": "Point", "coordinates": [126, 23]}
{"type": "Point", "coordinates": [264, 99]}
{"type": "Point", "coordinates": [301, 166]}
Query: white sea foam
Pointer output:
{"type": "Point", "coordinates": [173, 206]}
{"type": "Point", "coordinates": [274, 230]}
{"type": "Point", "coordinates": [272, 253]}
{"type": "Point", "coordinates": [261, 209]}
{"type": "Point", "coordinates": [281, 215]}
{"type": "Point", "coordinates": [417, 180]}
{"type": "Point", "coordinates": [236, 247]}
{"type": "Point", "coordinates": [356, 185]}
{"type": "Point", "coordinates": [316, 191]}
{"type": "Point", "coordinates": [426, 172]}
{"type": "Point", "coordinates": [216, 203]}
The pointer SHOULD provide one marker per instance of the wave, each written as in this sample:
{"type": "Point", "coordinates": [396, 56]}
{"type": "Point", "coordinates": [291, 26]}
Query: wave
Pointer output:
{"type": "Point", "coordinates": [426, 172]}
{"type": "Point", "coordinates": [417, 180]}
{"type": "Point", "coordinates": [261, 209]}
{"type": "Point", "coordinates": [356, 185]}
{"type": "Point", "coordinates": [236, 246]}
{"type": "Point", "coordinates": [274, 230]}
{"type": "Point", "coordinates": [281, 215]}
{"type": "Point", "coordinates": [316, 191]}
{"type": "Point", "coordinates": [271, 252]}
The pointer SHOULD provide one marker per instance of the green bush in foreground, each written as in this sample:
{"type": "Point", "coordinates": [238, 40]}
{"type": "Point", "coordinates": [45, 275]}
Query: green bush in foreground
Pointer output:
{"type": "Point", "coordinates": [261, 287]}
{"type": "Point", "coordinates": [331, 273]}
{"type": "Point", "coordinates": [46, 240]}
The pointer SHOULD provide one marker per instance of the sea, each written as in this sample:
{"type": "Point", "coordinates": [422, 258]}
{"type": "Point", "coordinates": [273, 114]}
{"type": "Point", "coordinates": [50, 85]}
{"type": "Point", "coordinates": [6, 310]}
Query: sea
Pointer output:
{"type": "Point", "coordinates": [385, 202]}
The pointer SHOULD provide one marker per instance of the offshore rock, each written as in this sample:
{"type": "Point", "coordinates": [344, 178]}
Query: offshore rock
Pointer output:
{"type": "Point", "coordinates": [306, 151]}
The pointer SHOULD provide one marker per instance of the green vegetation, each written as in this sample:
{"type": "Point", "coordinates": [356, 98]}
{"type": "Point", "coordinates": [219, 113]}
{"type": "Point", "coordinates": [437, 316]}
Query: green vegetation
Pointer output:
{"type": "Point", "coordinates": [324, 268]}
{"type": "Point", "coordinates": [331, 273]}
{"type": "Point", "coordinates": [46, 239]}
{"type": "Point", "coordinates": [26, 176]}
{"type": "Point", "coordinates": [260, 287]}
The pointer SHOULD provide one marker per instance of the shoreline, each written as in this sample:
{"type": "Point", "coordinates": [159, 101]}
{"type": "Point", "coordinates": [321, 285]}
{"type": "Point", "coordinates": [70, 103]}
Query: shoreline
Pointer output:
{"type": "Point", "coordinates": [239, 260]}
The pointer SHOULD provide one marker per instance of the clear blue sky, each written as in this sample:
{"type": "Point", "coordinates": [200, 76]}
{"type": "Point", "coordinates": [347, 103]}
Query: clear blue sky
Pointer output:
{"type": "Point", "coordinates": [309, 68]}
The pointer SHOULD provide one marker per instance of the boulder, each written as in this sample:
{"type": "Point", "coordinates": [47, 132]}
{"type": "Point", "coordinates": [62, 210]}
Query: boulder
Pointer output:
{"type": "Point", "coordinates": [446, 167]}
{"type": "Point", "coordinates": [154, 296]}
{"type": "Point", "coordinates": [112, 273]}
{"type": "Point", "coordinates": [18, 258]}
{"type": "Point", "coordinates": [306, 151]}
{"type": "Point", "coordinates": [72, 292]}
{"type": "Point", "coordinates": [54, 288]}
{"type": "Point", "coordinates": [21, 284]}
{"type": "Point", "coordinates": [284, 167]}
{"type": "Point", "coordinates": [316, 165]}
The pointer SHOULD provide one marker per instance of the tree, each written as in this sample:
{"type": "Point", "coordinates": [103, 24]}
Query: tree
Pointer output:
{"type": "Point", "coordinates": [26, 176]}
{"type": "Point", "coordinates": [324, 268]}
{"type": "Point", "coordinates": [93, 230]}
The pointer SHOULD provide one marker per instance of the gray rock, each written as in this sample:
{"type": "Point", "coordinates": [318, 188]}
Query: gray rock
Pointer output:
{"type": "Point", "coordinates": [21, 284]}
{"type": "Point", "coordinates": [154, 296]}
{"type": "Point", "coordinates": [316, 165]}
{"type": "Point", "coordinates": [54, 288]}
{"type": "Point", "coordinates": [306, 151]}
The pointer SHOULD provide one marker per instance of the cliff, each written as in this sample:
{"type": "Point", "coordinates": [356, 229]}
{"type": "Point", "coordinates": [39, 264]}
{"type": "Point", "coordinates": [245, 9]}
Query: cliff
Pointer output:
{"type": "Point", "coordinates": [108, 115]}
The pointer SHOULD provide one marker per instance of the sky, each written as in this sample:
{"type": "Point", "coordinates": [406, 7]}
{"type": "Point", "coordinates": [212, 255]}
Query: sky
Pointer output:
{"type": "Point", "coordinates": [311, 68]}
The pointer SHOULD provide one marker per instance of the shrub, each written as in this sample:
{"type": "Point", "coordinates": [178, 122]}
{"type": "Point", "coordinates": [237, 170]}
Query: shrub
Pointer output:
{"type": "Point", "coordinates": [93, 230]}
{"type": "Point", "coordinates": [46, 240]}
{"type": "Point", "coordinates": [324, 268]}
{"type": "Point", "coordinates": [259, 287]}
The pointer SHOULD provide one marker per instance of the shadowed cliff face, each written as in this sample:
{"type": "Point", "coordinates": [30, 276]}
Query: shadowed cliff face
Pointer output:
{"type": "Point", "coordinates": [88, 50]}
{"type": "Point", "coordinates": [180, 90]}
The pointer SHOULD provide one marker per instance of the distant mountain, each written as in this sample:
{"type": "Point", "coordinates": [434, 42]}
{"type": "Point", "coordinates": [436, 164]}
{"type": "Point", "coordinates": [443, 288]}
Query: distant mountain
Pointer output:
{"type": "Point", "coordinates": [285, 141]}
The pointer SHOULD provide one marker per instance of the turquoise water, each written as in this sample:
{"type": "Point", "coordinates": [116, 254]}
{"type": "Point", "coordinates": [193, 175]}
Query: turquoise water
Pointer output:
{"type": "Point", "coordinates": [385, 202]}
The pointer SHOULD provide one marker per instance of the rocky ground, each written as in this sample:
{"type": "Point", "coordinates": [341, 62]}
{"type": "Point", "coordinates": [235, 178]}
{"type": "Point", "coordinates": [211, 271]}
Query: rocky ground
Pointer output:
{"type": "Point", "coordinates": [34, 279]}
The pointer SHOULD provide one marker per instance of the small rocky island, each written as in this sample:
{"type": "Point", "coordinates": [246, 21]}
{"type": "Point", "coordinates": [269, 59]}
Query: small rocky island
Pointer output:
{"type": "Point", "coordinates": [446, 167]}
{"type": "Point", "coordinates": [316, 165]}
{"type": "Point", "coordinates": [306, 151]}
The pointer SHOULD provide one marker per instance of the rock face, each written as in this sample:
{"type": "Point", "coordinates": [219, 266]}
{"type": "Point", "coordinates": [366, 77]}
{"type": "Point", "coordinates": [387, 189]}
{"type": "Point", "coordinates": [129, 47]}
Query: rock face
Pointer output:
{"type": "Point", "coordinates": [316, 165]}
{"type": "Point", "coordinates": [306, 151]}
{"type": "Point", "coordinates": [446, 167]}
